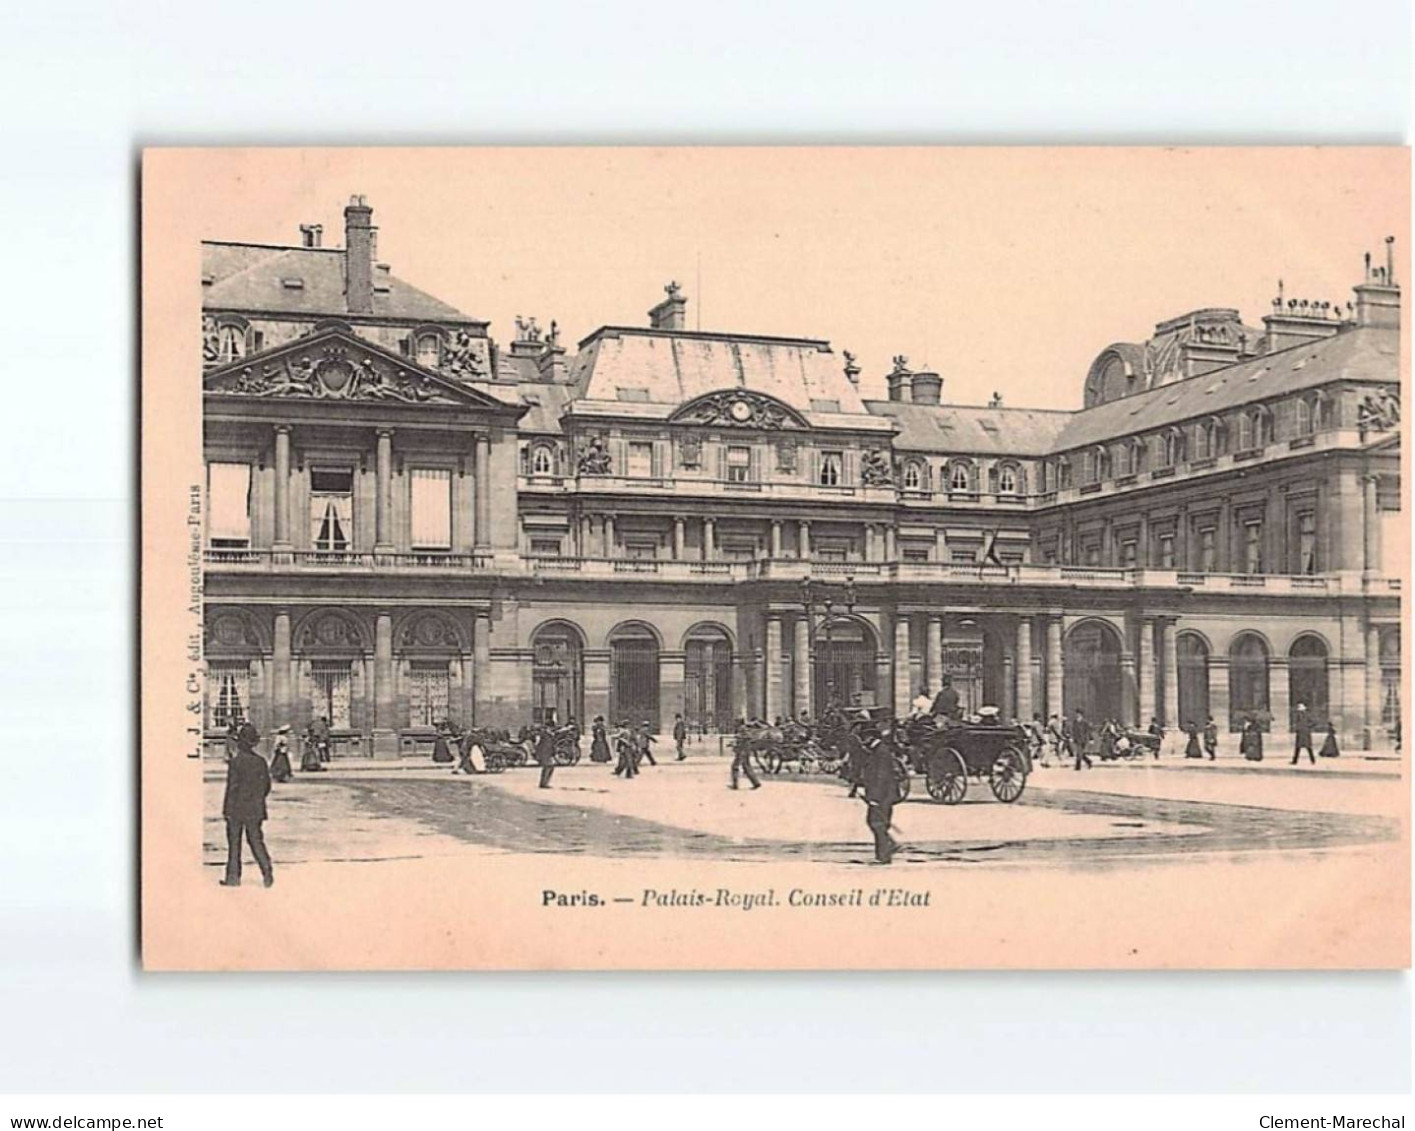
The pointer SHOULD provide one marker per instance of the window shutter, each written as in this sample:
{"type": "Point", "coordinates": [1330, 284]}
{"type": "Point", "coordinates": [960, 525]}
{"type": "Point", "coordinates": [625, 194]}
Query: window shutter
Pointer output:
{"type": "Point", "coordinates": [229, 500]}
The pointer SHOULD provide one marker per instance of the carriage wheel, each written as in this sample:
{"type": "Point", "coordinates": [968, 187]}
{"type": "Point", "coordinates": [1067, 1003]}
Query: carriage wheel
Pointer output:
{"type": "Point", "coordinates": [774, 762]}
{"type": "Point", "coordinates": [902, 779]}
{"type": "Point", "coordinates": [1008, 776]}
{"type": "Point", "coordinates": [808, 764]}
{"type": "Point", "coordinates": [494, 763]}
{"type": "Point", "coordinates": [947, 777]}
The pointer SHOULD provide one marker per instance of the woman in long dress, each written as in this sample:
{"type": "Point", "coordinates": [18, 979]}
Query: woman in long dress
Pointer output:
{"type": "Point", "coordinates": [1329, 746]}
{"type": "Point", "coordinates": [280, 770]}
{"type": "Point", "coordinates": [309, 756]}
{"type": "Point", "coordinates": [599, 741]}
{"type": "Point", "coordinates": [1251, 743]}
{"type": "Point", "coordinates": [1193, 748]}
{"type": "Point", "coordinates": [441, 751]}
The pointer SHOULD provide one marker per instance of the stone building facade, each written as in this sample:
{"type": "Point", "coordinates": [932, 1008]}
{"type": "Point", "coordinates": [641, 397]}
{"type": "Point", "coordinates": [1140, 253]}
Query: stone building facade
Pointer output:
{"type": "Point", "coordinates": [408, 522]}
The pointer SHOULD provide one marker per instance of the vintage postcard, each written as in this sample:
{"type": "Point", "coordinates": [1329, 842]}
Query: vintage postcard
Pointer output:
{"type": "Point", "coordinates": [842, 558]}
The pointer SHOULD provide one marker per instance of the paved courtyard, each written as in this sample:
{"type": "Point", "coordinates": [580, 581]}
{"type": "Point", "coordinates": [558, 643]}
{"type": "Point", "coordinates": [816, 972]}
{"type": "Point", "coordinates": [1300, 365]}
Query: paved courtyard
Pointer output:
{"type": "Point", "coordinates": [1133, 814]}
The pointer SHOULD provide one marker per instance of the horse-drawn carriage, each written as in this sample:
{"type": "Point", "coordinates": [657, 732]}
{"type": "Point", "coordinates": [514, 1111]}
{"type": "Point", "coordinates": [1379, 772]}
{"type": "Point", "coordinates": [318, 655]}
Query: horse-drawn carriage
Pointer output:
{"type": "Point", "coordinates": [948, 752]}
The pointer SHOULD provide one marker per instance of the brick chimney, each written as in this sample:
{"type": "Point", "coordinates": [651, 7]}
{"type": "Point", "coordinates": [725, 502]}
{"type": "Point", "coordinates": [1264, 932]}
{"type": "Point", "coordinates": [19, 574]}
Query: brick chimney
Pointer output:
{"type": "Point", "coordinates": [900, 380]}
{"type": "Point", "coordinates": [359, 235]}
{"type": "Point", "coordinates": [672, 312]}
{"type": "Point", "coordinates": [928, 387]}
{"type": "Point", "coordinates": [1295, 322]}
{"type": "Point", "coordinates": [1378, 296]}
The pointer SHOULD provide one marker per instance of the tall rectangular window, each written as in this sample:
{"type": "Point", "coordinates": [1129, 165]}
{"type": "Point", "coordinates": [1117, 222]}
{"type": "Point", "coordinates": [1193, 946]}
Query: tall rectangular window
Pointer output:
{"type": "Point", "coordinates": [832, 469]}
{"type": "Point", "coordinates": [1208, 549]}
{"type": "Point", "coordinates": [332, 509]}
{"type": "Point", "coordinates": [640, 464]}
{"type": "Point", "coordinates": [1128, 553]}
{"type": "Point", "coordinates": [1307, 542]}
{"type": "Point", "coordinates": [1253, 547]}
{"type": "Point", "coordinates": [330, 683]}
{"type": "Point", "coordinates": [739, 465]}
{"type": "Point", "coordinates": [429, 687]}
{"type": "Point", "coordinates": [228, 493]}
{"type": "Point", "coordinates": [1166, 551]}
{"type": "Point", "coordinates": [228, 692]}
{"type": "Point", "coordinates": [432, 508]}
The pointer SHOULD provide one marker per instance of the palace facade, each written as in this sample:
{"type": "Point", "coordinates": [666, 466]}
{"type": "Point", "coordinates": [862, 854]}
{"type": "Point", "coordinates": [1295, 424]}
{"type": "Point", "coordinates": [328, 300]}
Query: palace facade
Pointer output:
{"type": "Point", "coordinates": [408, 521]}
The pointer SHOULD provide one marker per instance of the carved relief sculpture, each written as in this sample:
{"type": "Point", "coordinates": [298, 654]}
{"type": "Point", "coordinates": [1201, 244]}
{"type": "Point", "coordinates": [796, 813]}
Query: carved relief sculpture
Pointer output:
{"type": "Point", "coordinates": [594, 458]}
{"type": "Point", "coordinates": [690, 450]}
{"type": "Point", "coordinates": [463, 355]}
{"type": "Point", "coordinates": [875, 470]}
{"type": "Point", "coordinates": [739, 408]}
{"type": "Point", "coordinates": [1379, 411]}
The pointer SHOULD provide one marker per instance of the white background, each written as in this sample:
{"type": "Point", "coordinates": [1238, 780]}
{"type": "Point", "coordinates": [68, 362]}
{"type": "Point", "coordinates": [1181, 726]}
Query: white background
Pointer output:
{"type": "Point", "coordinates": [84, 85]}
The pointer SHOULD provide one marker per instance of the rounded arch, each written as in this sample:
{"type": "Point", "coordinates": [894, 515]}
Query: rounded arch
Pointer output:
{"type": "Point", "coordinates": [708, 629]}
{"type": "Point", "coordinates": [235, 631]}
{"type": "Point", "coordinates": [960, 474]}
{"type": "Point", "coordinates": [1092, 683]}
{"type": "Point", "coordinates": [1307, 676]}
{"type": "Point", "coordinates": [634, 630]}
{"type": "Point", "coordinates": [331, 628]}
{"type": "Point", "coordinates": [845, 662]}
{"type": "Point", "coordinates": [557, 672]}
{"type": "Point", "coordinates": [634, 648]}
{"type": "Point", "coordinates": [1198, 640]}
{"type": "Point", "coordinates": [869, 634]}
{"type": "Point", "coordinates": [914, 474]}
{"type": "Point", "coordinates": [560, 624]}
{"type": "Point", "coordinates": [1248, 692]}
{"type": "Point", "coordinates": [737, 407]}
{"type": "Point", "coordinates": [428, 630]}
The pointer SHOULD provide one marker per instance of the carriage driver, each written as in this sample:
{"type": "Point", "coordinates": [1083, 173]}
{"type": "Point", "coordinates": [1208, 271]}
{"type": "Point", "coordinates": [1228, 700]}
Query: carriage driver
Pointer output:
{"type": "Point", "coordinates": [946, 703]}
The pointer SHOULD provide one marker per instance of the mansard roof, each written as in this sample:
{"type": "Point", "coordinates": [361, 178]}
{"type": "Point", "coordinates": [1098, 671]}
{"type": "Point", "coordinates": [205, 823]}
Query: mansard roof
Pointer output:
{"type": "Point", "coordinates": [972, 430]}
{"type": "Point", "coordinates": [333, 364]}
{"type": "Point", "coordinates": [672, 367]}
{"type": "Point", "coordinates": [1362, 354]}
{"type": "Point", "coordinates": [261, 278]}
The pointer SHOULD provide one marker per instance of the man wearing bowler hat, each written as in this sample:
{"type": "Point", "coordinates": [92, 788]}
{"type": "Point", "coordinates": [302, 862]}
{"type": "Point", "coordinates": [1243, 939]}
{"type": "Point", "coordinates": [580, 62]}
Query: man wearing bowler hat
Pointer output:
{"type": "Point", "coordinates": [247, 786]}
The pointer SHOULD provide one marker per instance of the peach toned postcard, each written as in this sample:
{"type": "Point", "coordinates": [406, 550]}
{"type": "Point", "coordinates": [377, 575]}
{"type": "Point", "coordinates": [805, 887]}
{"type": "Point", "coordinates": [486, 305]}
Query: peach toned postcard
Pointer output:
{"type": "Point", "coordinates": [774, 558]}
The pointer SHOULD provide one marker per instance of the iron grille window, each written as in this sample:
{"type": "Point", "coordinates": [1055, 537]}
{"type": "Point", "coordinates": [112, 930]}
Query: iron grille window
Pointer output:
{"type": "Point", "coordinates": [330, 685]}
{"type": "Point", "coordinates": [429, 692]}
{"type": "Point", "coordinates": [228, 692]}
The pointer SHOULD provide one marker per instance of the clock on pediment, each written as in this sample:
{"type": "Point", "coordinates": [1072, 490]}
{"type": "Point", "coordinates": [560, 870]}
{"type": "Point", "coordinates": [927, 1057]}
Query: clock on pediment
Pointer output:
{"type": "Point", "coordinates": [740, 408]}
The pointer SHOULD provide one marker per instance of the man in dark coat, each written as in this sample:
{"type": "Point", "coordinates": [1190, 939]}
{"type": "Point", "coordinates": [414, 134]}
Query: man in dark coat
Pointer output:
{"type": "Point", "coordinates": [319, 735]}
{"type": "Point", "coordinates": [545, 755]}
{"type": "Point", "coordinates": [1080, 739]}
{"type": "Point", "coordinates": [742, 758]}
{"type": "Point", "coordinates": [1211, 738]}
{"type": "Point", "coordinates": [680, 735]}
{"type": "Point", "coordinates": [946, 701]}
{"type": "Point", "coordinates": [1302, 727]}
{"type": "Point", "coordinates": [881, 793]}
{"type": "Point", "coordinates": [854, 750]}
{"type": "Point", "coordinates": [628, 746]}
{"type": "Point", "coordinates": [247, 786]}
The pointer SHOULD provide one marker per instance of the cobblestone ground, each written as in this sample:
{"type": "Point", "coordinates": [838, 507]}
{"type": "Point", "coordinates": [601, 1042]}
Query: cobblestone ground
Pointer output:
{"type": "Point", "coordinates": [1130, 815]}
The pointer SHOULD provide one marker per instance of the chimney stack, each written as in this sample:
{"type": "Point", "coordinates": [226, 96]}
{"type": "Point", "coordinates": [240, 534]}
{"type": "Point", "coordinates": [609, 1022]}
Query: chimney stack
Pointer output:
{"type": "Point", "coordinates": [900, 380]}
{"type": "Point", "coordinates": [1378, 297]}
{"type": "Point", "coordinates": [928, 388]}
{"type": "Point", "coordinates": [358, 255]}
{"type": "Point", "coordinates": [672, 312]}
{"type": "Point", "coordinates": [311, 235]}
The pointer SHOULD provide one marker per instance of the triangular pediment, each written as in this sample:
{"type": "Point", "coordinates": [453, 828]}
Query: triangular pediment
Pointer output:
{"type": "Point", "coordinates": [739, 408]}
{"type": "Point", "coordinates": [334, 364]}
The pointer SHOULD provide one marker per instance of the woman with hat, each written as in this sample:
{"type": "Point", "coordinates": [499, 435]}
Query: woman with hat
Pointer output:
{"type": "Point", "coordinates": [599, 742]}
{"type": "Point", "coordinates": [280, 756]}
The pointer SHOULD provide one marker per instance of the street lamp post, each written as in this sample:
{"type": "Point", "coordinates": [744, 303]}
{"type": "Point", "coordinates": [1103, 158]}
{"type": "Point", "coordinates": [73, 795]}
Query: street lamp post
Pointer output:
{"type": "Point", "coordinates": [809, 601]}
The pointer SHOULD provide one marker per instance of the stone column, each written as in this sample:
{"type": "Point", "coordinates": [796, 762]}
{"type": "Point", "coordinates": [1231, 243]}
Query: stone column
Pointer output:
{"type": "Point", "coordinates": [282, 487]}
{"type": "Point", "coordinates": [933, 654]}
{"type": "Point", "coordinates": [889, 549]}
{"type": "Point", "coordinates": [1130, 702]}
{"type": "Point", "coordinates": [902, 694]}
{"type": "Point", "coordinates": [586, 547]}
{"type": "Point", "coordinates": [775, 539]}
{"type": "Point", "coordinates": [1024, 668]}
{"type": "Point", "coordinates": [1372, 526]}
{"type": "Point", "coordinates": [280, 669]}
{"type": "Point", "coordinates": [1055, 675]}
{"type": "Point", "coordinates": [671, 677]}
{"type": "Point", "coordinates": [481, 665]}
{"type": "Point", "coordinates": [1280, 693]}
{"type": "Point", "coordinates": [596, 661]}
{"type": "Point", "coordinates": [385, 738]}
{"type": "Point", "coordinates": [1145, 677]}
{"type": "Point", "coordinates": [801, 666]}
{"type": "Point", "coordinates": [804, 545]}
{"type": "Point", "coordinates": [1218, 693]}
{"type": "Point", "coordinates": [467, 709]}
{"type": "Point", "coordinates": [1373, 732]}
{"type": "Point", "coordinates": [481, 523]}
{"type": "Point", "coordinates": [609, 550]}
{"type": "Point", "coordinates": [739, 687]}
{"type": "Point", "coordinates": [869, 541]}
{"type": "Point", "coordinates": [678, 538]}
{"type": "Point", "coordinates": [1169, 631]}
{"type": "Point", "coordinates": [383, 499]}
{"type": "Point", "coordinates": [773, 668]}
{"type": "Point", "coordinates": [709, 540]}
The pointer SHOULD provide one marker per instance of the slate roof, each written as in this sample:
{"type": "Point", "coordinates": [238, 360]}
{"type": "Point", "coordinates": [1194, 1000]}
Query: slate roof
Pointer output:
{"type": "Point", "coordinates": [250, 277]}
{"type": "Point", "coordinates": [1362, 354]}
{"type": "Point", "coordinates": [631, 365]}
{"type": "Point", "coordinates": [971, 429]}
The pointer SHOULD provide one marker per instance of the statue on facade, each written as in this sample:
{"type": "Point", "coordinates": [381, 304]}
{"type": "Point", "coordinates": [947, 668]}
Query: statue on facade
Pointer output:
{"type": "Point", "coordinates": [527, 330]}
{"type": "Point", "coordinates": [1379, 411]}
{"type": "Point", "coordinates": [210, 340]}
{"type": "Point", "coordinates": [786, 454]}
{"type": "Point", "coordinates": [594, 458]}
{"type": "Point", "coordinates": [462, 355]}
{"type": "Point", "coordinates": [690, 450]}
{"type": "Point", "coordinates": [875, 470]}
{"type": "Point", "coordinates": [901, 364]}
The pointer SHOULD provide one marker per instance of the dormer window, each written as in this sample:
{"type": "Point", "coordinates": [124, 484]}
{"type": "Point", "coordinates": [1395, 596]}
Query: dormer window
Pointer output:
{"type": "Point", "coordinates": [913, 476]}
{"type": "Point", "coordinates": [831, 469]}
{"type": "Point", "coordinates": [1172, 444]}
{"type": "Point", "coordinates": [542, 460]}
{"type": "Point", "coordinates": [960, 476]}
{"type": "Point", "coordinates": [428, 351]}
{"type": "Point", "coordinates": [1007, 479]}
{"type": "Point", "coordinates": [231, 343]}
